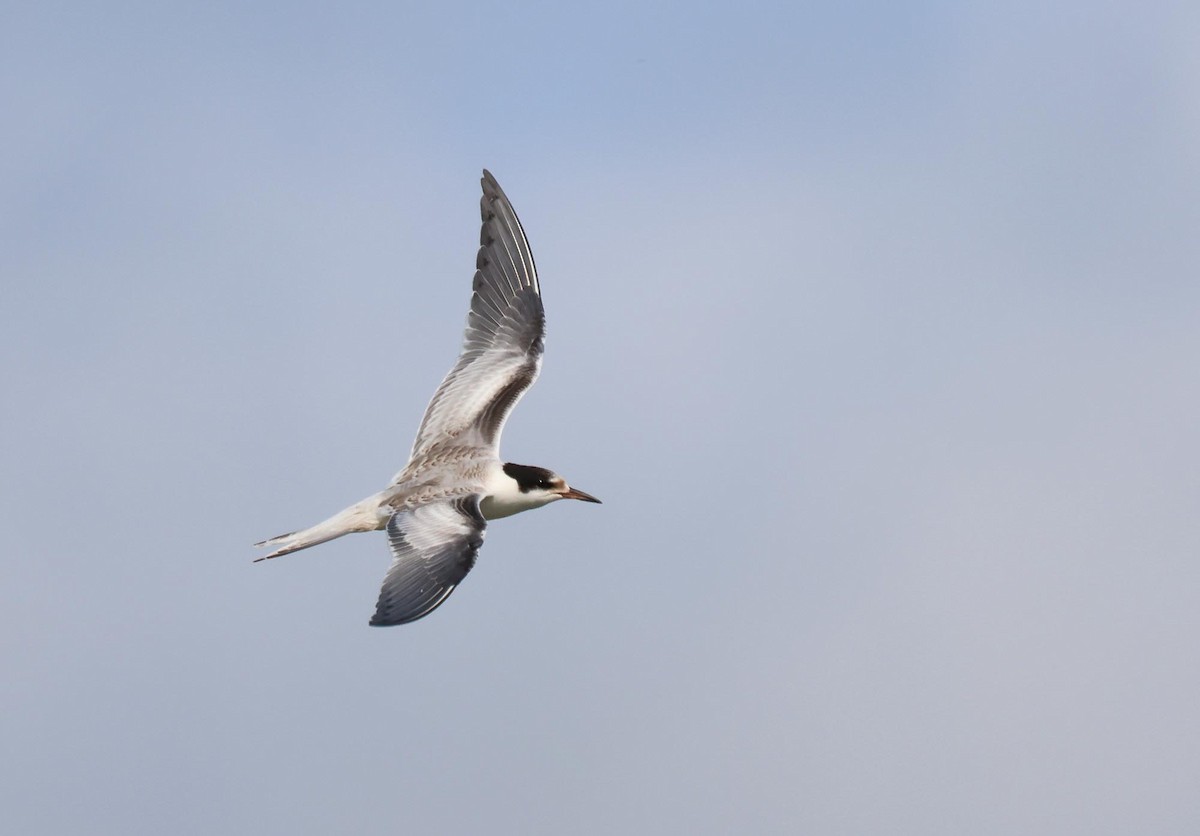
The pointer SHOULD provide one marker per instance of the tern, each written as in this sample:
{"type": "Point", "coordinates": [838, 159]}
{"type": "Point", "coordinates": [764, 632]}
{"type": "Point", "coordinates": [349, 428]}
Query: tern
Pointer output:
{"type": "Point", "coordinates": [437, 508]}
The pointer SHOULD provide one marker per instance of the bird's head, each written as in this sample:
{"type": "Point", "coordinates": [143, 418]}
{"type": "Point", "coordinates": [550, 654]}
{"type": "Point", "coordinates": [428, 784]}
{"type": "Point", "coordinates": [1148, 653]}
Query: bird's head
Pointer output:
{"type": "Point", "coordinates": [544, 486]}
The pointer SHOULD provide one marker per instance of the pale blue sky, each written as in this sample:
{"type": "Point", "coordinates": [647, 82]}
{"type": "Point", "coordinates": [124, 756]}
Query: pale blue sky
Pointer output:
{"type": "Point", "coordinates": [875, 325]}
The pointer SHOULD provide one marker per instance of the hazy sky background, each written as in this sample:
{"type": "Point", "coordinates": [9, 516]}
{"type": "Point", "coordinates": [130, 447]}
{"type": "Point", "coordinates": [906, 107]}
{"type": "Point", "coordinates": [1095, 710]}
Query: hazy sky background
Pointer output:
{"type": "Point", "coordinates": [876, 326]}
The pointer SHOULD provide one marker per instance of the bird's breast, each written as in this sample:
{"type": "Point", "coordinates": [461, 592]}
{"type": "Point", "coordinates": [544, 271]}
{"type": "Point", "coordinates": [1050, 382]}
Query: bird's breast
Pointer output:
{"type": "Point", "coordinates": [495, 507]}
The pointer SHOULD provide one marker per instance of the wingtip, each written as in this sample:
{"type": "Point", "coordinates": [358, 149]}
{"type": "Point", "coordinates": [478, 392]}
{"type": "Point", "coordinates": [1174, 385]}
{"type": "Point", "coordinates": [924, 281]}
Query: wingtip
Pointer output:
{"type": "Point", "coordinates": [377, 621]}
{"type": "Point", "coordinates": [491, 189]}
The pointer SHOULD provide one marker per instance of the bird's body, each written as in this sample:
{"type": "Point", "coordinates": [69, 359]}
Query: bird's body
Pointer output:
{"type": "Point", "coordinates": [436, 509]}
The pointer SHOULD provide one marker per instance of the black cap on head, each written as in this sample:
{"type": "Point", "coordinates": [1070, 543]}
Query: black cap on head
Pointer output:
{"type": "Point", "coordinates": [529, 477]}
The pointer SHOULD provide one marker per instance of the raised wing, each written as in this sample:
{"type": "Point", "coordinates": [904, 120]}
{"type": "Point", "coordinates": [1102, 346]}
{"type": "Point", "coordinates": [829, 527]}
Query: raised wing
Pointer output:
{"type": "Point", "coordinates": [502, 345]}
{"type": "Point", "coordinates": [433, 548]}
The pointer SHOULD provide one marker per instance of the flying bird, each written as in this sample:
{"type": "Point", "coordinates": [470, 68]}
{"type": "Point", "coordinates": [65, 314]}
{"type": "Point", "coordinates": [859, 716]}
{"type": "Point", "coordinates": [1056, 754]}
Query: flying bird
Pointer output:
{"type": "Point", "coordinates": [437, 508]}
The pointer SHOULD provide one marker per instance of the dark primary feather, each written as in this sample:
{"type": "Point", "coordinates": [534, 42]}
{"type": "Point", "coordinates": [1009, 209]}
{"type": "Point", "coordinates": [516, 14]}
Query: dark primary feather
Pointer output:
{"type": "Point", "coordinates": [502, 344]}
{"type": "Point", "coordinates": [433, 548]}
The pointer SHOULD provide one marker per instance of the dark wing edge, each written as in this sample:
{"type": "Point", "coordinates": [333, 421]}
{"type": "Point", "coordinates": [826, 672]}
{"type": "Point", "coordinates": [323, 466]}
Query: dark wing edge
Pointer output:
{"type": "Point", "coordinates": [434, 546]}
{"type": "Point", "coordinates": [502, 234]}
{"type": "Point", "coordinates": [504, 336]}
